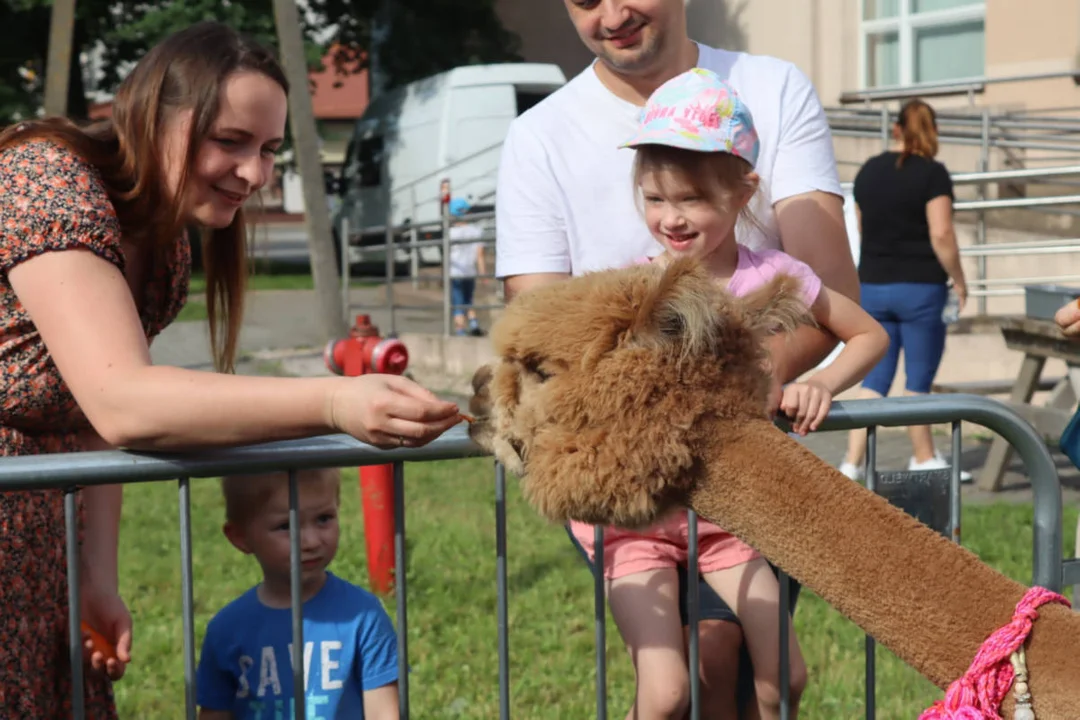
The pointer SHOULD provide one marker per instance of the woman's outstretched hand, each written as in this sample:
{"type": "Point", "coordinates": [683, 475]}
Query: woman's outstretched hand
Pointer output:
{"type": "Point", "coordinates": [389, 411]}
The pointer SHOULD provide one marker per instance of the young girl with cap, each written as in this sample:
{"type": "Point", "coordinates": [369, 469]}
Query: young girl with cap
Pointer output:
{"type": "Point", "coordinates": [694, 170]}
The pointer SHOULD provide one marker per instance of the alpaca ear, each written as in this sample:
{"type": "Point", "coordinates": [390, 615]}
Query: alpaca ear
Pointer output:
{"type": "Point", "coordinates": [777, 306]}
{"type": "Point", "coordinates": [677, 308]}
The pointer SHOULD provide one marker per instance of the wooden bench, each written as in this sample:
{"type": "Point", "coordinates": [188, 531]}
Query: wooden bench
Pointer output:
{"type": "Point", "coordinates": [991, 387]}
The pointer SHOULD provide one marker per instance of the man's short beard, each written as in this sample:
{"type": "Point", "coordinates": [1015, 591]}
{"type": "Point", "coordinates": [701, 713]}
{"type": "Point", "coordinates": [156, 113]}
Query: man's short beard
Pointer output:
{"type": "Point", "coordinates": [644, 57]}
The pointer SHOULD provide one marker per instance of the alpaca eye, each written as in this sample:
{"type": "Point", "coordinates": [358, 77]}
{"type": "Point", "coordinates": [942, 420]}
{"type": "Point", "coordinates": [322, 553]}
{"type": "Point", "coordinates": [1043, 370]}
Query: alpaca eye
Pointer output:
{"type": "Point", "coordinates": [536, 370]}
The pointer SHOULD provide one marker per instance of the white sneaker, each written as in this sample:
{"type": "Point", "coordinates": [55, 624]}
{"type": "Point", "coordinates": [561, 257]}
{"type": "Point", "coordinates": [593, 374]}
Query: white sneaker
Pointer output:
{"type": "Point", "coordinates": [852, 471]}
{"type": "Point", "coordinates": [937, 463]}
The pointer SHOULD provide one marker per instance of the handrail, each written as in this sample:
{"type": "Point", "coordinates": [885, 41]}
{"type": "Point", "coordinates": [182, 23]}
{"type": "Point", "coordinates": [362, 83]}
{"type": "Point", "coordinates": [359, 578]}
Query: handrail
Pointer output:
{"type": "Point", "coordinates": [945, 117]}
{"type": "Point", "coordinates": [1007, 175]}
{"type": "Point", "coordinates": [1021, 281]}
{"type": "Point", "coordinates": [947, 87]}
{"type": "Point", "coordinates": [429, 225]}
{"type": "Point", "coordinates": [975, 178]}
{"type": "Point", "coordinates": [105, 467]}
{"type": "Point", "coordinates": [1010, 203]}
{"type": "Point", "coordinates": [1049, 247]}
{"type": "Point", "coordinates": [443, 169]}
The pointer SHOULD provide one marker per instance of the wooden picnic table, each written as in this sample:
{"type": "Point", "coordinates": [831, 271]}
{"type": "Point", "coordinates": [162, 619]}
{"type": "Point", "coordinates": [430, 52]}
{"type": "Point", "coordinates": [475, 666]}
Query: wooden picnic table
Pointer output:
{"type": "Point", "coordinates": [1039, 340]}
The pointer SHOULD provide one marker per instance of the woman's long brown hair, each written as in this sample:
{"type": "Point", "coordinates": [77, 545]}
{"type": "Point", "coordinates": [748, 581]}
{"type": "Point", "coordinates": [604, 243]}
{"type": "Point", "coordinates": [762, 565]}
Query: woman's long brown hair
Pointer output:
{"type": "Point", "coordinates": [918, 128]}
{"type": "Point", "coordinates": [186, 71]}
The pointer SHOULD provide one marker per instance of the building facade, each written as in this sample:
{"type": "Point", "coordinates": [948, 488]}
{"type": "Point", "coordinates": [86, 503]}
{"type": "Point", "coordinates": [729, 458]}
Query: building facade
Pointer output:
{"type": "Point", "coordinates": [973, 60]}
{"type": "Point", "coordinates": [850, 46]}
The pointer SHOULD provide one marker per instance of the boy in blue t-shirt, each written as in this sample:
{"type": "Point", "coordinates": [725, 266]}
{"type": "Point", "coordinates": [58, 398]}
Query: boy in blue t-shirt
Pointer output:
{"type": "Point", "coordinates": [350, 647]}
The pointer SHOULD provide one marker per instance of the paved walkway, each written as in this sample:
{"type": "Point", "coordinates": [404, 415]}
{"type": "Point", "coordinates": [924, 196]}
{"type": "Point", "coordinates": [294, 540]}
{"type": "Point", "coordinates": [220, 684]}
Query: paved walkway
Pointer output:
{"type": "Point", "coordinates": [283, 319]}
{"type": "Point", "coordinates": [280, 337]}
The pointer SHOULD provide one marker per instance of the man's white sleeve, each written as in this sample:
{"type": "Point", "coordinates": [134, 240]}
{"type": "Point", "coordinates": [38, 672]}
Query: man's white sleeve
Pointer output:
{"type": "Point", "coordinates": [805, 159]}
{"type": "Point", "coordinates": [530, 230]}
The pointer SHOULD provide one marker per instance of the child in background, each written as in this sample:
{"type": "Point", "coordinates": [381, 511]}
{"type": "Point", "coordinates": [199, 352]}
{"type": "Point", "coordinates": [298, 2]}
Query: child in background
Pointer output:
{"type": "Point", "coordinates": [466, 264]}
{"type": "Point", "coordinates": [694, 168]}
{"type": "Point", "coordinates": [350, 647]}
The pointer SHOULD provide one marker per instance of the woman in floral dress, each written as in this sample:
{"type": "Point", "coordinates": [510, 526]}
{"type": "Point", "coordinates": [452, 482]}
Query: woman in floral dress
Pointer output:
{"type": "Point", "coordinates": [94, 263]}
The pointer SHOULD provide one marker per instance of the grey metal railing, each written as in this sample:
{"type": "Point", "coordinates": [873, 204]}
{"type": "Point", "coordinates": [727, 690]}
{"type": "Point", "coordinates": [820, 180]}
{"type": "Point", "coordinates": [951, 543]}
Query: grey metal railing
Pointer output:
{"type": "Point", "coordinates": [988, 132]}
{"type": "Point", "coordinates": [413, 247]}
{"type": "Point", "coordinates": [980, 250]}
{"type": "Point", "coordinates": [70, 471]}
{"type": "Point", "coordinates": [967, 87]}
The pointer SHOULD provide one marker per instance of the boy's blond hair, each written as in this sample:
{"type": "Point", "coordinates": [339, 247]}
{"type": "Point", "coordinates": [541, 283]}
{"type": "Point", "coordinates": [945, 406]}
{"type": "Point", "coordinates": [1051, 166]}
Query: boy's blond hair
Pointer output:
{"type": "Point", "coordinates": [246, 495]}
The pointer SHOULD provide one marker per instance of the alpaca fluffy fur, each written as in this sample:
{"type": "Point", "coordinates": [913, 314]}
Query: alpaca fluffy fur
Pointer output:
{"type": "Point", "coordinates": [622, 395]}
{"type": "Point", "coordinates": [584, 364]}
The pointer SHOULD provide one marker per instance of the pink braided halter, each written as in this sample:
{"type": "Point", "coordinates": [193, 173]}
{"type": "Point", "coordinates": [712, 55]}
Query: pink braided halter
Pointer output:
{"type": "Point", "coordinates": [977, 695]}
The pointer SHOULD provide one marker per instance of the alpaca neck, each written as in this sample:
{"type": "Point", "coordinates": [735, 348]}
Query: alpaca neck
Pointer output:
{"type": "Point", "coordinates": [921, 596]}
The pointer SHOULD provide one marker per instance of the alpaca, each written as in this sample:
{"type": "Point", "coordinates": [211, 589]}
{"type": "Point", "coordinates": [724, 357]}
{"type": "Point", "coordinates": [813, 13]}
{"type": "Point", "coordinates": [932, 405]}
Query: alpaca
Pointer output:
{"type": "Point", "coordinates": [621, 395]}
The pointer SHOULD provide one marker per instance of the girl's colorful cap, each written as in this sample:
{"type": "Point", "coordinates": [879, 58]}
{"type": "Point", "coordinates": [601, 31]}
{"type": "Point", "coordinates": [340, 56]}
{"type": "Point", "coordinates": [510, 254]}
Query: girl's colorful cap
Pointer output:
{"type": "Point", "coordinates": [698, 111]}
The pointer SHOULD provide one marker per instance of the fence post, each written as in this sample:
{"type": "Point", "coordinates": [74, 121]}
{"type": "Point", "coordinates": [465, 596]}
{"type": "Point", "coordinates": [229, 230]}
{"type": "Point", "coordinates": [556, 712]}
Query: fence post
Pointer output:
{"type": "Point", "coordinates": [886, 128]}
{"type": "Point", "coordinates": [389, 241]}
{"type": "Point", "coordinates": [448, 313]}
{"type": "Point", "coordinates": [344, 242]}
{"type": "Point", "coordinates": [980, 223]}
{"type": "Point", "coordinates": [414, 252]}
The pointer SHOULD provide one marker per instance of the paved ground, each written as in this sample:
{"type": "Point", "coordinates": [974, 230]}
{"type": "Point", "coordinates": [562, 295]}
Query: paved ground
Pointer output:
{"type": "Point", "coordinates": [280, 337]}
{"type": "Point", "coordinates": [283, 319]}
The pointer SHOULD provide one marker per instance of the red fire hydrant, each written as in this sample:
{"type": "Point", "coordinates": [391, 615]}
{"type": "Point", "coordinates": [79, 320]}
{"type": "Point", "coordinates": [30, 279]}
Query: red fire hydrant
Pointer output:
{"type": "Point", "coordinates": [364, 352]}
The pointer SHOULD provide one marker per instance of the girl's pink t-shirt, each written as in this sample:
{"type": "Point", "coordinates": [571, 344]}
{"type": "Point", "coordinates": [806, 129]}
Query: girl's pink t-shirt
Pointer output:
{"type": "Point", "coordinates": [756, 268]}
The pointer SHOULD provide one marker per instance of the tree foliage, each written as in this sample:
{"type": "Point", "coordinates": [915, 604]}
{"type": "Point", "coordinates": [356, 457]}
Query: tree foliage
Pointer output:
{"type": "Point", "coordinates": [425, 37]}
{"type": "Point", "coordinates": [429, 36]}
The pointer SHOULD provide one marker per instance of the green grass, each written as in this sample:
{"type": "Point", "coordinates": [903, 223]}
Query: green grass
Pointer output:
{"type": "Point", "coordinates": [193, 311]}
{"type": "Point", "coordinates": [277, 276]}
{"type": "Point", "coordinates": [272, 278]}
{"type": "Point", "coordinates": [452, 622]}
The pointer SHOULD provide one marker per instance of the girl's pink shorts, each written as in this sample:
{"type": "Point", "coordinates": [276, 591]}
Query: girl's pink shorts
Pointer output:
{"type": "Point", "coordinates": [664, 545]}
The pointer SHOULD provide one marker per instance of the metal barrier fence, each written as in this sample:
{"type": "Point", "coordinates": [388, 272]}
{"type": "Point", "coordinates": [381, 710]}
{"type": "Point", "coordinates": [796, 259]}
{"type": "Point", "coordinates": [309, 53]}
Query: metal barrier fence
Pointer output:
{"type": "Point", "coordinates": [69, 471]}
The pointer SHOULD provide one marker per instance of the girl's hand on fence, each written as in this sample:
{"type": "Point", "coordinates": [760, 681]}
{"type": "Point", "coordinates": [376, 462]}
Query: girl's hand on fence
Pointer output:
{"type": "Point", "coordinates": [390, 411]}
{"type": "Point", "coordinates": [807, 404]}
{"type": "Point", "coordinates": [106, 632]}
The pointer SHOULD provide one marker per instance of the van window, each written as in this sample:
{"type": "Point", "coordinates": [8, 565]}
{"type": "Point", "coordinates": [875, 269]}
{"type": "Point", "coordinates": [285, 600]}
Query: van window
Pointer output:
{"type": "Point", "coordinates": [526, 99]}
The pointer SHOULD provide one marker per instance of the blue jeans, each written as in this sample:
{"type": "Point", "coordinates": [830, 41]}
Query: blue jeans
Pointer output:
{"type": "Point", "coordinates": [911, 315]}
{"type": "Point", "coordinates": [461, 294]}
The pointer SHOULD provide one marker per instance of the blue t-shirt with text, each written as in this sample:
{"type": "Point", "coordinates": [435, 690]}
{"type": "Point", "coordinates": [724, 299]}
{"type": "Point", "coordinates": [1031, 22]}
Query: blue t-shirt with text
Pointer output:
{"type": "Point", "coordinates": [349, 647]}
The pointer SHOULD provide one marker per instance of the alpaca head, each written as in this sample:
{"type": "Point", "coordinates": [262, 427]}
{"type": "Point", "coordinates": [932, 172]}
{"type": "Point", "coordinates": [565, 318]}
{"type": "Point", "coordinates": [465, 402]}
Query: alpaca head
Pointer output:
{"type": "Point", "coordinates": [607, 384]}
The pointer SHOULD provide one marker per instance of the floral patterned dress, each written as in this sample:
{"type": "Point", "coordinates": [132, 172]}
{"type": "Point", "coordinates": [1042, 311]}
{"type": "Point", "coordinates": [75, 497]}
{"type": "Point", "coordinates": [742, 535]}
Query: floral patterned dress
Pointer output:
{"type": "Point", "coordinates": [50, 200]}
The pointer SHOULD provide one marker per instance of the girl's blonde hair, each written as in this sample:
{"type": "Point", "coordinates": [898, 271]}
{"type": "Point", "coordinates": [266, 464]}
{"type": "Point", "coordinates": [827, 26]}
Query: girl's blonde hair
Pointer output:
{"type": "Point", "coordinates": [719, 177]}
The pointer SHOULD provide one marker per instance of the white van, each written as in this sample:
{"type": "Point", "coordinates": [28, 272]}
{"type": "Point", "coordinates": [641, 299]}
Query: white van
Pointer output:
{"type": "Point", "coordinates": [449, 126]}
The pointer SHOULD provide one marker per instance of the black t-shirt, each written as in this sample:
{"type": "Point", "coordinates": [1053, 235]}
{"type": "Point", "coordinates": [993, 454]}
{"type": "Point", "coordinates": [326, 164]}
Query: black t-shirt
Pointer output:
{"type": "Point", "coordinates": [895, 236]}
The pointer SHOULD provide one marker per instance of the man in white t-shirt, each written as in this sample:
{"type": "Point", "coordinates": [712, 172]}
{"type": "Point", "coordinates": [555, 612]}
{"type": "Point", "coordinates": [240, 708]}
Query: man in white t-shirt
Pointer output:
{"type": "Point", "coordinates": [565, 203]}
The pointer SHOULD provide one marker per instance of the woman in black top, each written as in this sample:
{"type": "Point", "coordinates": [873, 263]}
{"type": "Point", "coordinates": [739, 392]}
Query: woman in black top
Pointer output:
{"type": "Point", "coordinates": [904, 203]}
